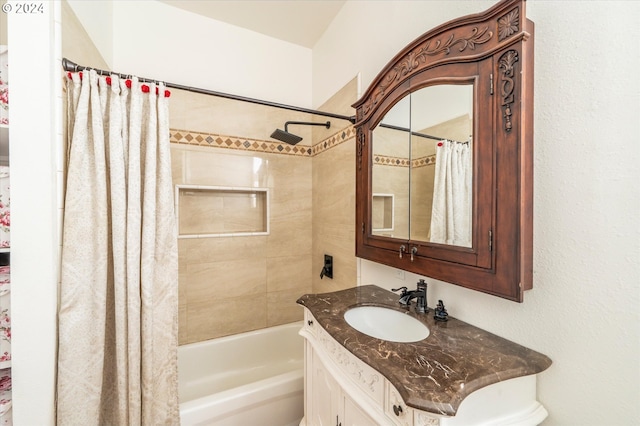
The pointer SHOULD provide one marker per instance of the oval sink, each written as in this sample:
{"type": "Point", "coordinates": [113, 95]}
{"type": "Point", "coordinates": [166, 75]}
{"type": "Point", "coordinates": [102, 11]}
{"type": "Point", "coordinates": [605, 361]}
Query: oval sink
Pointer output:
{"type": "Point", "coordinates": [386, 324]}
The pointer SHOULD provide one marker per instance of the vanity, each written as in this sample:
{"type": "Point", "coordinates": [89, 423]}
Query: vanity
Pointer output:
{"type": "Point", "coordinates": [457, 375]}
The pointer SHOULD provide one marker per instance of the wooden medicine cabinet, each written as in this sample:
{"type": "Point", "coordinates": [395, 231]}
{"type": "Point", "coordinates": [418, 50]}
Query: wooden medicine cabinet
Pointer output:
{"type": "Point", "coordinates": [445, 129]}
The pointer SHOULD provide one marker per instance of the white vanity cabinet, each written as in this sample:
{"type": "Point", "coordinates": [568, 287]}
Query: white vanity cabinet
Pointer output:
{"type": "Point", "coordinates": [341, 390]}
{"type": "Point", "coordinates": [330, 404]}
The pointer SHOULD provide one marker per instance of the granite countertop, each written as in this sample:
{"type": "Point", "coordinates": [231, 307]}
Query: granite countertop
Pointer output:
{"type": "Point", "coordinates": [434, 374]}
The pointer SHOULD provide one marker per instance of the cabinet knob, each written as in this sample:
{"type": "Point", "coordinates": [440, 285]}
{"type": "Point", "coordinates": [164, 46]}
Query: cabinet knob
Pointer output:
{"type": "Point", "coordinates": [397, 409]}
{"type": "Point", "coordinates": [402, 250]}
{"type": "Point", "coordinates": [309, 322]}
{"type": "Point", "coordinates": [414, 250]}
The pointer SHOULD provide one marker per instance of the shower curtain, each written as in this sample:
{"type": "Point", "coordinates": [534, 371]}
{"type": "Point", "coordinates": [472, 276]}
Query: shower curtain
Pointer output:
{"type": "Point", "coordinates": [451, 213]}
{"type": "Point", "coordinates": [117, 318]}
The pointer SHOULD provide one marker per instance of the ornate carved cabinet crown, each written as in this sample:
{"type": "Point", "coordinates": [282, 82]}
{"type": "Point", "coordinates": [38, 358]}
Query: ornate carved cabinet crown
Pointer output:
{"type": "Point", "coordinates": [444, 173]}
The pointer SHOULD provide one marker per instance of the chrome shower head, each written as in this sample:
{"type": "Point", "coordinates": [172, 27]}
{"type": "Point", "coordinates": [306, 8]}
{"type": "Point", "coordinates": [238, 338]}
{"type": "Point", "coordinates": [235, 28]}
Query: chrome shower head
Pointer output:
{"type": "Point", "coordinates": [290, 138]}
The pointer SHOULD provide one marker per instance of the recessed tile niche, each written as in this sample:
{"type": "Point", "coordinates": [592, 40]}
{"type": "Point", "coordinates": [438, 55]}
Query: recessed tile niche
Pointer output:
{"type": "Point", "coordinates": [216, 211]}
{"type": "Point", "coordinates": [382, 212]}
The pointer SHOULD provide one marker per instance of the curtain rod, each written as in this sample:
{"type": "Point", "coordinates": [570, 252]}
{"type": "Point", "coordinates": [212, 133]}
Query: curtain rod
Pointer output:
{"type": "Point", "coordinates": [422, 135]}
{"type": "Point", "coordinates": [73, 67]}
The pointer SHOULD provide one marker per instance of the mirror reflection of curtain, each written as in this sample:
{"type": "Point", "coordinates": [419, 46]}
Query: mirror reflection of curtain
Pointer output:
{"type": "Point", "coordinates": [451, 214]}
{"type": "Point", "coordinates": [118, 308]}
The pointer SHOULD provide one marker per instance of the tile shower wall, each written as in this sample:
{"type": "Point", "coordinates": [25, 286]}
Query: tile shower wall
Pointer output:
{"type": "Point", "coordinates": [334, 177]}
{"type": "Point", "coordinates": [229, 285]}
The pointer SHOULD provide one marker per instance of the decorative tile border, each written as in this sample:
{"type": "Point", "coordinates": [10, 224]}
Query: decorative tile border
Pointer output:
{"type": "Point", "coordinates": [335, 140]}
{"type": "Point", "coordinates": [429, 160]}
{"type": "Point", "coordinates": [384, 160]}
{"type": "Point", "coordinates": [188, 137]}
{"type": "Point", "coordinates": [214, 140]}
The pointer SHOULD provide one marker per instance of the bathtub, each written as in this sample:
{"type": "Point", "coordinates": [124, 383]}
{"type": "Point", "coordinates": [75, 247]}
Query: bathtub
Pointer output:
{"type": "Point", "coordinates": [253, 378]}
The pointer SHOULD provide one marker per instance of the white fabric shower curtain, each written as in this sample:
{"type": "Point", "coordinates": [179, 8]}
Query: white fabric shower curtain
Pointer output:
{"type": "Point", "coordinates": [451, 213]}
{"type": "Point", "coordinates": [117, 320]}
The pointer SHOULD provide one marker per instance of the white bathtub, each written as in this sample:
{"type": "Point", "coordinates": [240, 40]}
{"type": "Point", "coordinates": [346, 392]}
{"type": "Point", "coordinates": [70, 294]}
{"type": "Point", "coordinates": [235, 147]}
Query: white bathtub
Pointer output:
{"type": "Point", "coordinates": [253, 378]}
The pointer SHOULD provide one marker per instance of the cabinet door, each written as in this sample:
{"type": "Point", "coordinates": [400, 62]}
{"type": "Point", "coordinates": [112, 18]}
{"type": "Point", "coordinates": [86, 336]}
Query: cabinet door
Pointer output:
{"type": "Point", "coordinates": [325, 395]}
{"type": "Point", "coordinates": [396, 409]}
{"type": "Point", "coordinates": [353, 415]}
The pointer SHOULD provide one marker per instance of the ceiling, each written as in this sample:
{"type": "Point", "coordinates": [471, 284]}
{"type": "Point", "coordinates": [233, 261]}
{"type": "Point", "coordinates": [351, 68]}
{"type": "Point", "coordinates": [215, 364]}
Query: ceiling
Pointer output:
{"type": "Point", "coordinates": [301, 22]}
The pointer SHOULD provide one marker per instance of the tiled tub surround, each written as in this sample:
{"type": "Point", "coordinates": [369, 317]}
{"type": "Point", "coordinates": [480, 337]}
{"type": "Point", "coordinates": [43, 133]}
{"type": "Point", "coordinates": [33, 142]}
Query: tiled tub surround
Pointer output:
{"type": "Point", "coordinates": [234, 284]}
{"type": "Point", "coordinates": [434, 374]}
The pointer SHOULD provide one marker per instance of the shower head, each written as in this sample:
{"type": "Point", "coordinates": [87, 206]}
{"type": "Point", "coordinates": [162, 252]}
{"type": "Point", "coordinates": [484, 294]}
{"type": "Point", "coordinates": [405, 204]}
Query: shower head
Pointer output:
{"type": "Point", "coordinates": [285, 137]}
{"type": "Point", "coordinates": [290, 138]}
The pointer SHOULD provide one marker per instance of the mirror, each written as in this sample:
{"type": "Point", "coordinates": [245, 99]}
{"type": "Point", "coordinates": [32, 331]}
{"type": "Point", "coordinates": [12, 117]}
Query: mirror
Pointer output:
{"type": "Point", "coordinates": [390, 172]}
{"type": "Point", "coordinates": [444, 155]}
{"type": "Point", "coordinates": [428, 130]}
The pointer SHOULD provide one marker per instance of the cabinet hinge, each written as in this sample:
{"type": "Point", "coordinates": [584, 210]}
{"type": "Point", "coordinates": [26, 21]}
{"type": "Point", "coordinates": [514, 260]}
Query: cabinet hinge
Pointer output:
{"type": "Point", "coordinates": [491, 83]}
{"type": "Point", "coordinates": [363, 227]}
{"type": "Point", "coordinates": [490, 240]}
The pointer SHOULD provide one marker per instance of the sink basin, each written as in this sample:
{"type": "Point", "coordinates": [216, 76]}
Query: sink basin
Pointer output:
{"type": "Point", "coordinates": [386, 324]}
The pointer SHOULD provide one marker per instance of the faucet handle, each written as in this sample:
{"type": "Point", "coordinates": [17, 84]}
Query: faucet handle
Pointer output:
{"type": "Point", "coordinates": [403, 288]}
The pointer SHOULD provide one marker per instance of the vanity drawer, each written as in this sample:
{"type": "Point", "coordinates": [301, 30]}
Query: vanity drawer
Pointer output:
{"type": "Point", "coordinates": [395, 408]}
{"type": "Point", "coordinates": [310, 323]}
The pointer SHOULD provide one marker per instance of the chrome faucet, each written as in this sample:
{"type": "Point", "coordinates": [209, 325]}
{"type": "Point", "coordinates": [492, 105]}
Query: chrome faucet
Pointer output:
{"type": "Point", "coordinates": [420, 294]}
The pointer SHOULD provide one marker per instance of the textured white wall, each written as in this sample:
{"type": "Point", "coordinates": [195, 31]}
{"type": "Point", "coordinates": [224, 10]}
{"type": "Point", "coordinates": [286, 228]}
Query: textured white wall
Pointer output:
{"type": "Point", "coordinates": [97, 19]}
{"type": "Point", "coordinates": [584, 309]}
{"type": "Point", "coordinates": [365, 35]}
{"type": "Point", "coordinates": [155, 40]}
{"type": "Point", "coordinates": [35, 133]}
